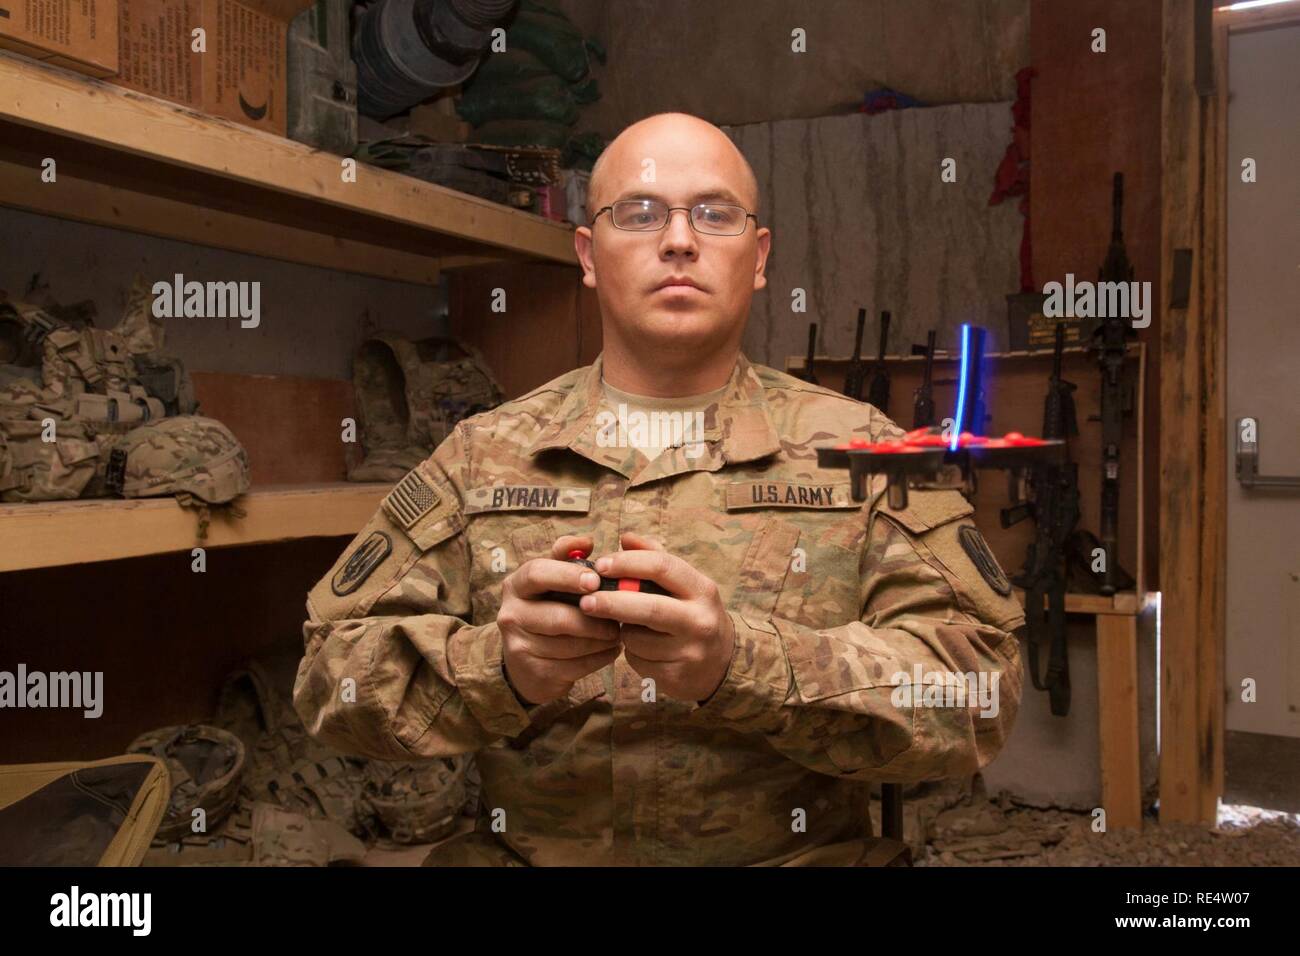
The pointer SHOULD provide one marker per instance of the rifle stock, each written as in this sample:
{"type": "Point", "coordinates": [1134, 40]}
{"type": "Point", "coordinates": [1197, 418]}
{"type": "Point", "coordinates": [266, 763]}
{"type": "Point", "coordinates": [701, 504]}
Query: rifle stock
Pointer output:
{"type": "Point", "coordinates": [923, 405]}
{"type": "Point", "coordinates": [878, 393]}
{"type": "Point", "coordinates": [1055, 510]}
{"type": "Point", "coordinates": [1110, 341]}
{"type": "Point", "coordinates": [853, 378]}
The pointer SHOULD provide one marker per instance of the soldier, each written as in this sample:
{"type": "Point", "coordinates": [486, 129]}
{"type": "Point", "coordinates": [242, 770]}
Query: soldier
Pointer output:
{"type": "Point", "coordinates": [738, 719]}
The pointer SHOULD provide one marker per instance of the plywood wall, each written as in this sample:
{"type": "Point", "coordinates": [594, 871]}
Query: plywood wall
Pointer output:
{"type": "Point", "coordinates": [1095, 114]}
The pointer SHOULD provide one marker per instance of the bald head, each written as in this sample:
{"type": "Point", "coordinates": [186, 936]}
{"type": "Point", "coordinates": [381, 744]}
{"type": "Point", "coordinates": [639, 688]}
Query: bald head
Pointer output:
{"type": "Point", "coordinates": [623, 162]}
{"type": "Point", "coordinates": [673, 298]}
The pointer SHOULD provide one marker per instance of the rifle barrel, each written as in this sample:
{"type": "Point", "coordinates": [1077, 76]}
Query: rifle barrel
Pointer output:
{"type": "Point", "coordinates": [878, 394]}
{"type": "Point", "coordinates": [853, 377]}
{"type": "Point", "coordinates": [923, 406]}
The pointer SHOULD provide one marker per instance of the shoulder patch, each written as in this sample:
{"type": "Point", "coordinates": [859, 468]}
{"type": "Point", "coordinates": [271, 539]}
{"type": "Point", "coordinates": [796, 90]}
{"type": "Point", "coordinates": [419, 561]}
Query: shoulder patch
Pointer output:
{"type": "Point", "coordinates": [977, 549]}
{"type": "Point", "coordinates": [423, 508]}
{"type": "Point", "coordinates": [411, 500]}
{"type": "Point", "coordinates": [369, 554]}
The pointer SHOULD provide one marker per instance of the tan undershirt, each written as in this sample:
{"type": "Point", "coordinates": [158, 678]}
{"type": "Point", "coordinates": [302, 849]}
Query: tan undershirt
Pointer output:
{"type": "Point", "coordinates": [649, 404]}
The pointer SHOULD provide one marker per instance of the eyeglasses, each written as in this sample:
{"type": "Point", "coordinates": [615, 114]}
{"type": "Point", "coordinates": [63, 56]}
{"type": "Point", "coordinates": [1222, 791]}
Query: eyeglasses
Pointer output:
{"type": "Point", "coordinates": [651, 215]}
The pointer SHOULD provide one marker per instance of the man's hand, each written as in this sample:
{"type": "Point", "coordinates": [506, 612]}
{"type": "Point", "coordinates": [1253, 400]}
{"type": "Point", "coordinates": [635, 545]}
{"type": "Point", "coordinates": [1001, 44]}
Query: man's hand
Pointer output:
{"type": "Point", "coordinates": [683, 642]}
{"type": "Point", "coordinates": [548, 646]}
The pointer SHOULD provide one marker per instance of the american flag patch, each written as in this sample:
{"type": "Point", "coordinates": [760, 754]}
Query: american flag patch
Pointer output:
{"type": "Point", "coordinates": [411, 500]}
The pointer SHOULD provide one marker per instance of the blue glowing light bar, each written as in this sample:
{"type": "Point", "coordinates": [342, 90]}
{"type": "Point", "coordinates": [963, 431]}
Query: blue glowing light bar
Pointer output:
{"type": "Point", "coordinates": [961, 386]}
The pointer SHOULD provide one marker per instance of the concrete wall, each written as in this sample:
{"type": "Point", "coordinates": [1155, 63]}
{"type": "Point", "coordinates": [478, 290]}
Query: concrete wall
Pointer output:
{"type": "Point", "coordinates": [731, 62]}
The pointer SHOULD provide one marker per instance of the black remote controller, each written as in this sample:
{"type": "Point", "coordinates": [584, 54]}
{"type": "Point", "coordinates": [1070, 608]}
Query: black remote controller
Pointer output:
{"type": "Point", "coordinates": [606, 584]}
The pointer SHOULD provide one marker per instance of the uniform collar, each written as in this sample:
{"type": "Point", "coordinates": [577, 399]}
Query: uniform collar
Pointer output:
{"type": "Point", "coordinates": [737, 428]}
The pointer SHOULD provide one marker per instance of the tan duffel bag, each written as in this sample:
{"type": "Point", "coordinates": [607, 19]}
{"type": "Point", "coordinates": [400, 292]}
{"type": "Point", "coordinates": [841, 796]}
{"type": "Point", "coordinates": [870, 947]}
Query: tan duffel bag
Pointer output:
{"type": "Point", "coordinates": [81, 813]}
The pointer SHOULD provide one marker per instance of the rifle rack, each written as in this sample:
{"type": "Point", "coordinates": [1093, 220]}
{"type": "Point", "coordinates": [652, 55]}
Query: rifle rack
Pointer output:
{"type": "Point", "coordinates": [1014, 403]}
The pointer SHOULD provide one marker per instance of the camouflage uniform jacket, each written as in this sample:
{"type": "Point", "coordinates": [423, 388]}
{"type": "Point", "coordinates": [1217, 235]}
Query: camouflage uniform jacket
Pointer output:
{"type": "Point", "coordinates": [830, 599]}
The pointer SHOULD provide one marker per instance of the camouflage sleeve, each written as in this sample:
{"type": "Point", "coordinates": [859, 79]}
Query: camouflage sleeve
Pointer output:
{"type": "Point", "coordinates": [392, 669]}
{"type": "Point", "coordinates": [925, 685]}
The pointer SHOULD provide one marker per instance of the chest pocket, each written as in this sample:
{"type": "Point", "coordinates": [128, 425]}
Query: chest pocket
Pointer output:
{"type": "Point", "coordinates": [803, 556]}
{"type": "Point", "coordinates": [510, 524]}
{"type": "Point", "coordinates": [497, 548]}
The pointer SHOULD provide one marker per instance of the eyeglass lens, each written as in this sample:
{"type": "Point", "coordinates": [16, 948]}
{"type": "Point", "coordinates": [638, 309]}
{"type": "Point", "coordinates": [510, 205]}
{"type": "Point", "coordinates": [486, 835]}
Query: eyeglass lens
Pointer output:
{"type": "Point", "coordinates": [646, 215]}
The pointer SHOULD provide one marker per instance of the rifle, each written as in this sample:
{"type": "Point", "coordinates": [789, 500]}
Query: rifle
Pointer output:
{"type": "Point", "coordinates": [1055, 510]}
{"type": "Point", "coordinates": [854, 376]}
{"type": "Point", "coordinates": [808, 375]}
{"type": "Point", "coordinates": [878, 393]}
{"type": "Point", "coordinates": [923, 403]}
{"type": "Point", "coordinates": [1110, 338]}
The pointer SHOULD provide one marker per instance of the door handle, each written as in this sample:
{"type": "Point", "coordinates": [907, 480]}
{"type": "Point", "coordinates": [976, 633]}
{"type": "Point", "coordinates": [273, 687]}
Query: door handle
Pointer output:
{"type": "Point", "coordinates": [1248, 460]}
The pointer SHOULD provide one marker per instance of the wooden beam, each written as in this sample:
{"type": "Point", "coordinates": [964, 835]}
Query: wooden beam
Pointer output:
{"type": "Point", "coordinates": [83, 200]}
{"type": "Point", "coordinates": [1117, 707]}
{"type": "Point", "coordinates": [92, 111]}
{"type": "Point", "coordinates": [50, 534]}
{"type": "Point", "coordinates": [1212, 609]}
{"type": "Point", "coordinates": [1192, 465]}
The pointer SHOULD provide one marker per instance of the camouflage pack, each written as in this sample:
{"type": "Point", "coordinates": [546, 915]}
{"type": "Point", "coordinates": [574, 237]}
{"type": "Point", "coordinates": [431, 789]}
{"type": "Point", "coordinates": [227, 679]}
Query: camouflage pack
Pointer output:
{"type": "Point", "coordinates": [204, 765]}
{"type": "Point", "coordinates": [33, 468]}
{"type": "Point", "coordinates": [89, 360]}
{"type": "Point", "coordinates": [165, 378]}
{"type": "Point", "coordinates": [19, 385]}
{"type": "Point", "coordinates": [417, 802]}
{"type": "Point", "coordinates": [261, 834]}
{"type": "Point", "coordinates": [286, 767]}
{"type": "Point", "coordinates": [23, 328]}
{"type": "Point", "coordinates": [408, 802]}
{"type": "Point", "coordinates": [410, 395]}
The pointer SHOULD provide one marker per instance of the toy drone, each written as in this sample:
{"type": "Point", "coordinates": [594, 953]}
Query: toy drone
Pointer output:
{"type": "Point", "coordinates": [923, 451]}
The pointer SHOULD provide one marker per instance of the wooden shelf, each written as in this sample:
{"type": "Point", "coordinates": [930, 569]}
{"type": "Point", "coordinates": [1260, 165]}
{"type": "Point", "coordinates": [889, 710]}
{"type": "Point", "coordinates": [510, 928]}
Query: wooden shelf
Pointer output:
{"type": "Point", "coordinates": [795, 364]}
{"type": "Point", "coordinates": [1123, 603]}
{"type": "Point", "coordinates": [50, 534]}
{"type": "Point", "coordinates": [135, 162]}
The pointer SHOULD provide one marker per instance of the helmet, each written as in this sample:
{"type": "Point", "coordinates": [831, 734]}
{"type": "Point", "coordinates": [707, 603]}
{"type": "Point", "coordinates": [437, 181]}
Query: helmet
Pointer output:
{"type": "Point", "coordinates": [188, 454]}
{"type": "Point", "coordinates": [205, 764]}
{"type": "Point", "coordinates": [416, 802]}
